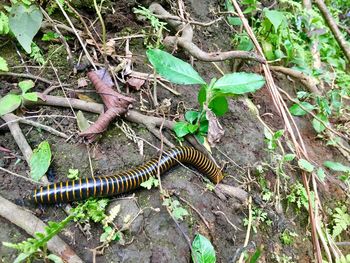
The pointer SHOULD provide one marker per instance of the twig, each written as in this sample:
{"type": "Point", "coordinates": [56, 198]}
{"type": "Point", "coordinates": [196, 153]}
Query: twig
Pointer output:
{"type": "Point", "coordinates": [185, 41]}
{"type": "Point", "coordinates": [204, 24]}
{"type": "Point", "coordinates": [22, 176]}
{"type": "Point", "coordinates": [227, 219]}
{"type": "Point", "coordinates": [334, 28]}
{"type": "Point", "coordinates": [27, 76]}
{"type": "Point", "coordinates": [31, 224]}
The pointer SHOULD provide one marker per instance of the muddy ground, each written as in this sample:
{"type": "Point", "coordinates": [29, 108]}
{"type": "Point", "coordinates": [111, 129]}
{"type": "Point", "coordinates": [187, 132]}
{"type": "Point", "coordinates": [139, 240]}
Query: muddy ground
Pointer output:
{"type": "Point", "coordinates": [153, 236]}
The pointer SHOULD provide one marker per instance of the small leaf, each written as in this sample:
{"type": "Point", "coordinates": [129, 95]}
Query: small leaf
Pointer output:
{"type": "Point", "coordinates": [289, 157]}
{"type": "Point", "coordinates": [73, 174]}
{"type": "Point", "coordinates": [335, 166]}
{"type": "Point", "coordinates": [54, 258]}
{"type": "Point", "coordinates": [3, 65]}
{"type": "Point", "coordinates": [9, 103]}
{"type": "Point", "coordinates": [239, 83]}
{"type": "Point", "coordinates": [202, 250]}
{"type": "Point", "coordinates": [172, 68]}
{"type": "Point", "coordinates": [321, 174]}
{"type": "Point", "coordinates": [202, 94]}
{"type": "Point", "coordinates": [318, 126]}
{"type": "Point", "coordinates": [275, 17]}
{"type": "Point", "coordinates": [296, 110]}
{"type": "Point", "coordinates": [191, 116]}
{"type": "Point", "coordinates": [234, 21]}
{"type": "Point", "coordinates": [83, 123]}
{"type": "Point", "coordinates": [40, 161]}
{"type": "Point", "coordinates": [219, 105]}
{"type": "Point", "coordinates": [25, 23]}
{"type": "Point", "coordinates": [305, 165]}
{"type": "Point", "coordinates": [30, 96]}
{"type": "Point", "coordinates": [26, 85]}
{"type": "Point", "coordinates": [4, 24]}
{"type": "Point", "coordinates": [21, 257]}
{"type": "Point", "coordinates": [192, 127]}
{"type": "Point", "coordinates": [179, 212]}
{"type": "Point", "coordinates": [181, 129]}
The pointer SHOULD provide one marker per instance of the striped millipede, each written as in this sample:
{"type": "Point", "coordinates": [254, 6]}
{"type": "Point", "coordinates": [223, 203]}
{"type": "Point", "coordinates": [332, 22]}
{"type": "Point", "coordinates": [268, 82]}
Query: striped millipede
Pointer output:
{"type": "Point", "coordinates": [101, 186]}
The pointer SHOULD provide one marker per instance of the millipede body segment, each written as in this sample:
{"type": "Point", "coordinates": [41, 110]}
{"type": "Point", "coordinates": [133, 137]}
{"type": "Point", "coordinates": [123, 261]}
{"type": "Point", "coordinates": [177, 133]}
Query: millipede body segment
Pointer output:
{"type": "Point", "coordinates": [125, 181]}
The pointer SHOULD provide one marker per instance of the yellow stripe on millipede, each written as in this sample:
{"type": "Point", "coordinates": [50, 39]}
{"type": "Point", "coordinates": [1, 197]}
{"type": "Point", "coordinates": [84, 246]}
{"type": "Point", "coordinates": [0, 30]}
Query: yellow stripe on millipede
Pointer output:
{"type": "Point", "coordinates": [61, 191]}
{"type": "Point", "coordinates": [73, 189]}
{"type": "Point", "coordinates": [101, 186]}
{"type": "Point", "coordinates": [93, 178]}
{"type": "Point", "coordinates": [67, 188]}
{"type": "Point", "coordinates": [87, 188]}
{"type": "Point", "coordinates": [48, 193]}
{"type": "Point", "coordinates": [107, 185]}
{"type": "Point", "coordinates": [80, 189]}
{"type": "Point", "coordinates": [55, 191]}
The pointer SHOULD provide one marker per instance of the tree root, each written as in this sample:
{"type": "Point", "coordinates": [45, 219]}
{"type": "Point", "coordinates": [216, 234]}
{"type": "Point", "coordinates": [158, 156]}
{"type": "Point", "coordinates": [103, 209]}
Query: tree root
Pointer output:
{"type": "Point", "coordinates": [32, 224]}
{"type": "Point", "coordinates": [185, 40]}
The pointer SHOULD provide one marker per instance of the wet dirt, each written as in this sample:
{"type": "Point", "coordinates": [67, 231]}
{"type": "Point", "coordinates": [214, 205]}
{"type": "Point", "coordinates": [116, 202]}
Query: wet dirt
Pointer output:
{"type": "Point", "coordinates": [153, 236]}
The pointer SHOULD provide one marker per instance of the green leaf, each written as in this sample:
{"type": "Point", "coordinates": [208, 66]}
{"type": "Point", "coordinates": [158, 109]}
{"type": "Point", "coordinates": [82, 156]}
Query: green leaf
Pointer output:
{"type": "Point", "coordinates": [239, 83]}
{"type": "Point", "coordinates": [318, 126]}
{"type": "Point", "coordinates": [181, 129]}
{"type": "Point", "coordinates": [275, 17]}
{"type": "Point", "coordinates": [152, 181]}
{"type": "Point", "coordinates": [4, 24]}
{"type": "Point", "coordinates": [335, 166]}
{"type": "Point", "coordinates": [21, 257]}
{"type": "Point", "coordinates": [179, 212]}
{"type": "Point", "coordinates": [192, 128]}
{"type": "Point", "coordinates": [191, 116]}
{"type": "Point", "coordinates": [172, 68]}
{"type": "Point", "coordinates": [9, 103]}
{"type": "Point", "coordinates": [54, 258]}
{"type": "Point", "coordinates": [50, 36]}
{"type": "Point", "coordinates": [202, 95]}
{"type": "Point", "coordinates": [219, 105]}
{"type": "Point", "coordinates": [3, 65]}
{"type": "Point", "coordinates": [30, 96]}
{"type": "Point", "coordinates": [305, 165]}
{"type": "Point", "coordinates": [289, 157]}
{"type": "Point", "coordinates": [26, 85]}
{"type": "Point", "coordinates": [83, 123]}
{"type": "Point", "coordinates": [40, 161]}
{"type": "Point", "coordinates": [202, 250]}
{"type": "Point", "coordinates": [234, 21]}
{"type": "Point", "coordinates": [73, 174]}
{"type": "Point", "coordinates": [25, 23]}
{"type": "Point", "coordinates": [268, 50]}
{"type": "Point", "coordinates": [321, 174]}
{"type": "Point", "coordinates": [296, 110]}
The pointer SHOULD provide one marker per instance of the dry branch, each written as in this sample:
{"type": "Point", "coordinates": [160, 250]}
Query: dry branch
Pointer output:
{"type": "Point", "coordinates": [32, 224]}
{"type": "Point", "coordinates": [185, 40]}
{"type": "Point", "coordinates": [344, 45]}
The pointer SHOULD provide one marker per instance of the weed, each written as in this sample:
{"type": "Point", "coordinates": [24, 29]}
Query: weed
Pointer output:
{"type": "Point", "coordinates": [177, 211]}
{"type": "Point", "coordinates": [287, 237]}
{"type": "Point", "coordinates": [258, 217]}
{"type": "Point", "coordinates": [298, 196]}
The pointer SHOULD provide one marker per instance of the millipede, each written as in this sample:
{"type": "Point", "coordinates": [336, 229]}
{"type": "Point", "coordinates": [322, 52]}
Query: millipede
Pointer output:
{"type": "Point", "coordinates": [125, 181]}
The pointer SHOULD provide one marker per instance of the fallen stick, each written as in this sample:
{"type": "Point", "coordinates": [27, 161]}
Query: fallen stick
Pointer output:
{"type": "Point", "coordinates": [31, 224]}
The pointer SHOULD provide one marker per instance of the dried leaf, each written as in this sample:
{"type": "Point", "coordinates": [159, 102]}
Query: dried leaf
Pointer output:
{"type": "Point", "coordinates": [215, 130]}
{"type": "Point", "coordinates": [82, 82]}
{"type": "Point", "coordinates": [83, 124]}
{"type": "Point", "coordinates": [85, 97]}
{"type": "Point", "coordinates": [136, 83]}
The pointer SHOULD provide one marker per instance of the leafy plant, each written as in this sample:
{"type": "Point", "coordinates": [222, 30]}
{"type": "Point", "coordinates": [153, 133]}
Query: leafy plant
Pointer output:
{"type": "Point", "coordinates": [177, 211]}
{"type": "Point", "coordinates": [212, 97]}
{"type": "Point", "coordinates": [10, 102]}
{"type": "Point", "coordinates": [152, 181]}
{"type": "Point", "coordinates": [73, 174]}
{"type": "Point", "coordinates": [287, 237]}
{"type": "Point", "coordinates": [298, 196]}
{"type": "Point", "coordinates": [341, 220]}
{"type": "Point", "coordinates": [258, 217]}
{"type": "Point", "coordinates": [3, 65]}
{"type": "Point", "coordinates": [40, 161]}
{"type": "Point", "coordinates": [202, 250]}
{"type": "Point", "coordinates": [272, 139]}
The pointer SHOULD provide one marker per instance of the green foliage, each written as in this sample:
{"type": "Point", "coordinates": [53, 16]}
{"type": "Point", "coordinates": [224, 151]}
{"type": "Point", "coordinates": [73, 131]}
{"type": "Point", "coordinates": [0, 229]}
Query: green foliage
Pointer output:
{"type": "Point", "coordinates": [152, 181]}
{"type": "Point", "coordinates": [4, 24]}
{"type": "Point", "coordinates": [272, 139]}
{"type": "Point", "coordinates": [287, 237]}
{"type": "Point", "coordinates": [25, 22]}
{"type": "Point", "coordinates": [36, 54]}
{"type": "Point", "coordinates": [177, 211]}
{"type": "Point", "coordinates": [73, 174]}
{"type": "Point", "coordinates": [3, 65]}
{"type": "Point", "coordinates": [40, 161]}
{"type": "Point", "coordinates": [298, 196]}
{"type": "Point", "coordinates": [202, 250]}
{"type": "Point", "coordinates": [341, 220]}
{"type": "Point", "coordinates": [92, 209]}
{"type": "Point", "coordinates": [49, 36]}
{"type": "Point", "coordinates": [238, 83]}
{"type": "Point", "coordinates": [335, 166]}
{"type": "Point", "coordinates": [305, 165]}
{"type": "Point", "coordinates": [258, 217]}
{"type": "Point", "coordinates": [10, 102]}
{"type": "Point", "coordinates": [298, 109]}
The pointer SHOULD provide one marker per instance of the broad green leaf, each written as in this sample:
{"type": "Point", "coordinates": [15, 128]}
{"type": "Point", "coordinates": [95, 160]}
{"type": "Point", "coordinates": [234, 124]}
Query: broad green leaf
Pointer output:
{"type": "Point", "coordinates": [4, 24]}
{"type": "Point", "coordinates": [192, 127]}
{"type": "Point", "coordinates": [275, 17]}
{"type": "Point", "coordinates": [278, 134]}
{"type": "Point", "coordinates": [305, 165]}
{"type": "Point", "coordinates": [289, 157]}
{"type": "Point", "coordinates": [9, 103]}
{"type": "Point", "coordinates": [73, 174]}
{"type": "Point", "coordinates": [54, 258]}
{"type": "Point", "coordinates": [21, 257]}
{"type": "Point", "coordinates": [268, 134]}
{"type": "Point", "coordinates": [219, 105]}
{"type": "Point", "coordinates": [181, 129]}
{"type": "Point", "coordinates": [83, 123]}
{"type": "Point", "coordinates": [234, 21]}
{"type": "Point", "coordinates": [268, 50]}
{"type": "Point", "coordinates": [30, 96]}
{"type": "Point", "coordinates": [40, 161]}
{"type": "Point", "coordinates": [179, 212]}
{"type": "Point", "coordinates": [296, 110]}
{"type": "Point", "coordinates": [191, 116]}
{"type": "Point", "coordinates": [26, 85]}
{"type": "Point", "coordinates": [25, 23]}
{"type": "Point", "coordinates": [50, 36]}
{"type": "Point", "coordinates": [172, 68]}
{"type": "Point", "coordinates": [318, 126]}
{"type": "Point", "coordinates": [321, 174]}
{"type": "Point", "coordinates": [3, 65]}
{"type": "Point", "coordinates": [335, 166]}
{"type": "Point", "coordinates": [239, 83]}
{"type": "Point", "coordinates": [202, 250]}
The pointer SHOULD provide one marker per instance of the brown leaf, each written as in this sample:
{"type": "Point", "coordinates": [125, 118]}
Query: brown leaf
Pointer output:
{"type": "Point", "coordinates": [215, 130]}
{"type": "Point", "coordinates": [85, 97]}
{"type": "Point", "coordinates": [82, 82]}
{"type": "Point", "coordinates": [136, 83]}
